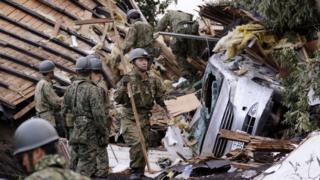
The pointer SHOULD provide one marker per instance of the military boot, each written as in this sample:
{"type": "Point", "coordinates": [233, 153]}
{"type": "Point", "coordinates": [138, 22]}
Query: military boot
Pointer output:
{"type": "Point", "coordinates": [136, 174]}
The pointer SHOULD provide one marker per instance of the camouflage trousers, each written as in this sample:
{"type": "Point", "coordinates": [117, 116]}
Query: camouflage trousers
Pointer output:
{"type": "Point", "coordinates": [131, 137]}
{"type": "Point", "coordinates": [87, 157]}
{"type": "Point", "coordinates": [183, 48]}
{"type": "Point", "coordinates": [90, 161]}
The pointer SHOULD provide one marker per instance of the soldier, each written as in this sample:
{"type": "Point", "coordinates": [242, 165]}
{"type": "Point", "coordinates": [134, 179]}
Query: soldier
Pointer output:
{"type": "Point", "coordinates": [181, 22]}
{"type": "Point", "coordinates": [47, 101]}
{"type": "Point", "coordinates": [97, 78]}
{"type": "Point", "coordinates": [85, 101]}
{"type": "Point", "coordinates": [140, 34]}
{"type": "Point", "coordinates": [147, 89]}
{"type": "Point", "coordinates": [35, 147]}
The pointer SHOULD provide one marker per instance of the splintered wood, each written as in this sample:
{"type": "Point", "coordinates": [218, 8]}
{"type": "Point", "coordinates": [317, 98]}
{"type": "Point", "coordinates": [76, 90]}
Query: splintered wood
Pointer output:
{"type": "Point", "coordinates": [182, 104]}
{"type": "Point", "coordinates": [258, 143]}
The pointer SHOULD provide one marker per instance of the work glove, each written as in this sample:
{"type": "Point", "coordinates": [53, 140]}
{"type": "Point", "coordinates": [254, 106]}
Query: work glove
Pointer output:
{"type": "Point", "coordinates": [125, 80]}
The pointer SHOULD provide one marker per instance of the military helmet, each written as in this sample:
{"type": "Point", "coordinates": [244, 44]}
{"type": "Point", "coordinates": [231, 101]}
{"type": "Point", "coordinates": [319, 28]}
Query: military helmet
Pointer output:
{"type": "Point", "coordinates": [92, 56]}
{"type": "Point", "coordinates": [46, 66]}
{"type": "Point", "coordinates": [32, 134]}
{"type": "Point", "coordinates": [133, 14]}
{"type": "Point", "coordinates": [138, 53]}
{"type": "Point", "coordinates": [82, 64]}
{"type": "Point", "coordinates": [95, 63]}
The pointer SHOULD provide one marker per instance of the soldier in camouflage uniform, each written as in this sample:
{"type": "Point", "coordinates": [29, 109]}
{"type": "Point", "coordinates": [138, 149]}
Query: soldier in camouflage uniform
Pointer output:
{"type": "Point", "coordinates": [97, 78]}
{"type": "Point", "coordinates": [37, 152]}
{"type": "Point", "coordinates": [140, 34]}
{"type": "Point", "coordinates": [147, 89]}
{"type": "Point", "coordinates": [47, 101]}
{"type": "Point", "coordinates": [85, 101]}
{"type": "Point", "coordinates": [181, 22]}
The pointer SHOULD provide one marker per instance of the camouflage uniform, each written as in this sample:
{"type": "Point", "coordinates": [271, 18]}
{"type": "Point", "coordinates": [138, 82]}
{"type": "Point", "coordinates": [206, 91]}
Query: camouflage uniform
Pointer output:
{"type": "Point", "coordinates": [47, 101]}
{"type": "Point", "coordinates": [145, 93]}
{"type": "Point", "coordinates": [180, 22]}
{"type": "Point", "coordinates": [53, 167]}
{"type": "Point", "coordinates": [140, 35]}
{"type": "Point", "coordinates": [85, 101]}
{"type": "Point", "coordinates": [102, 154]}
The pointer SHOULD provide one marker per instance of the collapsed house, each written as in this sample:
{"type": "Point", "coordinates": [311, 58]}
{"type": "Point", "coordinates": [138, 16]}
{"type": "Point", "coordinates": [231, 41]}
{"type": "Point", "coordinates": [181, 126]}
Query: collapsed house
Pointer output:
{"type": "Point", "coordinates": [241, 97]}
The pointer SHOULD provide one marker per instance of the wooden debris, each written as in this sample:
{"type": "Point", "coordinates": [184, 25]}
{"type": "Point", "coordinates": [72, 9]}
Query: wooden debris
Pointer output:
{"type": "Point", "coordinates": [258, 143]}
{"type": "Point", "coordinates": [56, 28]}
{"type": "Point", "coordinates": [182, 104]}
{"type": "Point", "coordinates": [93, 21]}
{"type": "Point", "coordinates": [25, 110]}
{"type": "Point", "coordinates": [245, 165]}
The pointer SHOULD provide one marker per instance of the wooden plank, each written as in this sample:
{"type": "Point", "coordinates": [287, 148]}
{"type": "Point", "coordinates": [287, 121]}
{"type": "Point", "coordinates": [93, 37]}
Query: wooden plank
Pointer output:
{"type": "Point", "coordinates": [239, 165]}
{"type": "Point", "coordinates": [258, 143]}
{"type": "Point", "coordinates": [24, 110]}
{"type": "Point", "coordinates": [93, 21]}
{"type": "Point", "coordinates": [56, 28]}
{"type": "Point", "coordinates": [182, 104]}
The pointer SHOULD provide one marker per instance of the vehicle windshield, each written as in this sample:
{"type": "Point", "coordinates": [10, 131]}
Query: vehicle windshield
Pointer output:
{"type": "Point", "coordinates": [211, 91]}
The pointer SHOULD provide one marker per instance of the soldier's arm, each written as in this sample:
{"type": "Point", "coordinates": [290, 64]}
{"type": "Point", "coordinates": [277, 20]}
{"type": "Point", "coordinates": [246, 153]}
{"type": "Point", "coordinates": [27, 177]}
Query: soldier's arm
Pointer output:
{"type": "Point", "coordinates": [53, 99]}
{"type": "Point", "coordinates": [98, 109]}
{"type": "Point", "coordinates": [163, 23]}
{"type": "Point", "coordinates": [130, 40]}
{"type": "Point", "coordinates": [121, 95]}
{"type": "Point", "coordinates": [160, 93]}
{"type": "Point", "coordinates": [66, 103]}
{"type": "Point", "coordinates": [104, 91]}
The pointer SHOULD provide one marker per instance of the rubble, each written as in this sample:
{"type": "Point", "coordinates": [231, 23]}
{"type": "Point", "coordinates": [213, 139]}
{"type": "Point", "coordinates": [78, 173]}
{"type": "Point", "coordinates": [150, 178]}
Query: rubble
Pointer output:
{"type": "Point", "coordinates": [232, 128]}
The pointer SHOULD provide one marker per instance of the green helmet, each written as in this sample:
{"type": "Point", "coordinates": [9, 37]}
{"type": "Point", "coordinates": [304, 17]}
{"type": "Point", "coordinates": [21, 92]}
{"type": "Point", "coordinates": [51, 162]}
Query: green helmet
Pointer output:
{"type": "Point", "coordinates": [46, 66]}
{"type": "Point", "coordinates": [32, 134]}
{"type": "Point", "coordinates": [138, 53]}
{"type": "Point", "coordinates": [82, 64]}
{"type": "Point", "coordinates": [95, 62]}
{"type": "Point", "coordinates": [133, 14]}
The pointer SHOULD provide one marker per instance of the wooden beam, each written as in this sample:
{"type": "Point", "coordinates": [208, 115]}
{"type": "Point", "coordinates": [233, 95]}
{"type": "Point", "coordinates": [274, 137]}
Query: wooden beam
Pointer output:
{"type": "Point", "coordinates": [57, 8]}
{"type": "Point", "coordinates": [27, 64]}
{"type": "Point", "coordinates": [52, 23]}
{"type": "Point", "coordinates": [239, 165]}
{"type": "Point", "coordinates": [84, 7]}
{"type": "Point", "coordinates": [24, 110]}
{"type": "Point", "coordinates": [258, 143]}
{"type": "Point", "coordinates": [42, 35]}
{"type": "Point", "coordinates": [56, 28]}
{"type": "Point", "coordinates": [37, 44]}
{"type": "Point", "coordinates": [93, 21]}
{"type": "Point", "coordinates": [19, 74]}
{"type": "Point", "coordinates": [6, 103]}
{"type": "Point", "coordinates": [35, 56]}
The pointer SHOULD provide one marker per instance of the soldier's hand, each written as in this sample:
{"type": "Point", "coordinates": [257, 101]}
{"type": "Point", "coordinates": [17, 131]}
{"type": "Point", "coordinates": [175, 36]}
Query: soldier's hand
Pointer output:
{"type": "Point", "coordinates": [125, 80]}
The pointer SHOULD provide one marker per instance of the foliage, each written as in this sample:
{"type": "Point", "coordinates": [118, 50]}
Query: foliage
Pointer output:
{"type": "Point", "coordinates": [151, 8]}
{"type": "Point", "coordinates": [302, 76]}
{"type": "Point", "coordinates": [281, 16]}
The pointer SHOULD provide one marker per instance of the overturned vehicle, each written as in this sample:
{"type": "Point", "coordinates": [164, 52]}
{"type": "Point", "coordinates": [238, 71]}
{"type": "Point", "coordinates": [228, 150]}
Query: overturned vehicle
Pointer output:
{"type": "Point", "coordinates": [239, 95]}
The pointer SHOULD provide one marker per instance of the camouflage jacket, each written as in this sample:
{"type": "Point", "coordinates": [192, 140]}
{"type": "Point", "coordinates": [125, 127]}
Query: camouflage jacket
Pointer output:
{"type": "Point", "coordinates": [53, 167]}
{"type": "Point", "coordinates": [45, 97]}
{"type": "Point", "coordinates": [140, 35]}
{"type": "Point", "coordinates": [173, 19]}
{"type": "Point", "coordinates": [104, 89]}
{"type": "Point", "coordinates": [145, 92]}
{"type": "Point", "coordinates": [84, 99]}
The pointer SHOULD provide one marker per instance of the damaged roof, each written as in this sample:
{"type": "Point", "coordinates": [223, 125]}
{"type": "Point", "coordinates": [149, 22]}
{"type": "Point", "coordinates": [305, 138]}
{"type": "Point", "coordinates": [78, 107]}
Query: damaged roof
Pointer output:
{"type": "Point", "coordinates": [34, 30]}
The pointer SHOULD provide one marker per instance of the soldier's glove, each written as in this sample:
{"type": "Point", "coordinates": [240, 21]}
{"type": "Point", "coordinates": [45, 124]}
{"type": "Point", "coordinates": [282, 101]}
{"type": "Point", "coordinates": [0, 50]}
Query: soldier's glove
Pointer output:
{"type": "Point", "coordinates": [102, 139]}
{"type": "Point", "coordinates": [125, 80]}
